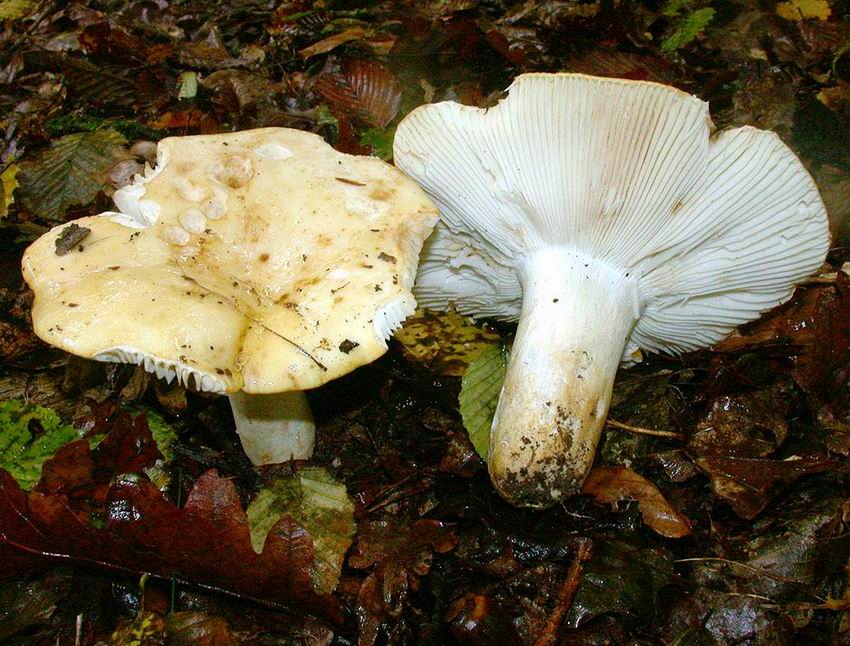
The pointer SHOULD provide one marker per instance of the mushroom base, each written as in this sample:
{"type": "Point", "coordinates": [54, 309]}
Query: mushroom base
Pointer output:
{"type": "Point", "coordinates": [577, 315]}
{"type": "Point", "coordinates": [274, 428]}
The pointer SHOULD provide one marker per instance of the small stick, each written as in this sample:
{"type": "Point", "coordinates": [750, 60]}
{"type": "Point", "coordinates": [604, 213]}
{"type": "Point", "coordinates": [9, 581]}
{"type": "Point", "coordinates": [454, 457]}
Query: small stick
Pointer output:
{"type": "Point", "coordinates": [640, 430]}
{"type": "Point", "coordinates": [549, 635]}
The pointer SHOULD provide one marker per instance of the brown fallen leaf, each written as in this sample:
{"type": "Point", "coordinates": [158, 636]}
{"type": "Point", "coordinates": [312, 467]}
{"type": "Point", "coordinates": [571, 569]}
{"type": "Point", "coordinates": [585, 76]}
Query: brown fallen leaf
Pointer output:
{"type": "Point", "coordinates": [613, 484]}
{"type": "Point", "coordinates": [401, 553]}
{"type": "Point", "coordinates": [333, 41]}
{"type": "Point", "coordinates": [749, 484]}
{"type": "Point", "coordinates": [366, 90]}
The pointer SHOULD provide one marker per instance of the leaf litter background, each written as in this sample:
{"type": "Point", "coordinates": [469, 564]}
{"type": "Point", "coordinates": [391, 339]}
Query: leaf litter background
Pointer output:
{"type": "Point", "coordinates": [128, 513]}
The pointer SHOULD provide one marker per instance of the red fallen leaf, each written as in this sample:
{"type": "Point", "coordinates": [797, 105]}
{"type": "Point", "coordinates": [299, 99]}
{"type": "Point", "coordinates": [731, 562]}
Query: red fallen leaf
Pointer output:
{"type": "Point", "coordinates": [78, 472]}
{"type": "Point", "coordinates": [186, 120]}
{"type": "Point", "coordinates": [401, 553]}
{"type": "Point", "coordinates": [613, 484]}
{"type": "Point", "coordinates": [364, 89]}
{"type": "Point", "coordinates": [207, 542]}
{"type": "Point", "coordinates": [748, 484]}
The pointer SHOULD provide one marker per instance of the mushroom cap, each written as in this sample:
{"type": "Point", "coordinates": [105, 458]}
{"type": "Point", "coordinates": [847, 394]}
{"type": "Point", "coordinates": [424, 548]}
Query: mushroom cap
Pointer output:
{"type": "Point", "coordinates": [716, 228]}
{"type": "Point", "coordinates": [261, 261]}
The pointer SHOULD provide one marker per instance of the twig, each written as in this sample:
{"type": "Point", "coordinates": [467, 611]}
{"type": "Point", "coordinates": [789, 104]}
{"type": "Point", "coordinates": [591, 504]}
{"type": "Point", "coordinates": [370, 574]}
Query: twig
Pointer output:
{"type": "Point", "coordinates": [639, 430]}
{"type": "Point", "coordinates": [549, 634]}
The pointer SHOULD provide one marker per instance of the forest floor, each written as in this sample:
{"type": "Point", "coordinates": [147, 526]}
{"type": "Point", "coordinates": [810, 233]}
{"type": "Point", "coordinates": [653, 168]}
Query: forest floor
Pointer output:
{"type": "Point", "coordinates": [123, 500]}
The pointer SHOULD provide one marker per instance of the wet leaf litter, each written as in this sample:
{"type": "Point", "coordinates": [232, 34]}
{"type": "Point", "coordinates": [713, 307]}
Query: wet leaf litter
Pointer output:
{"type": "Point", "coordinates": [753, 466]}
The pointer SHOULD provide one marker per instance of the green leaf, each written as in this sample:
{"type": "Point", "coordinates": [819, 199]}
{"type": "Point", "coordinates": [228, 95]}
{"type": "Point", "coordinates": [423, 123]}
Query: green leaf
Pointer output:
{"type": "Point", "coordinates": [21, 454]}
{"type": "Point", "coordinates": [16, 9]}
{"type": "Point", "coordinates": [69, 173]}
{"type": "Point", "coordinates": [688, 29]}
{"type": "Point", "coordinates": [380, 140]}
{"type": "Point", "coordinates": [479, 394]}
{"type": "Point", "coordinates": [319, 504]}
{"type": "Point", "coordinates": [674, 7]}
{"type": "Point", "coordinates": [165, 437]}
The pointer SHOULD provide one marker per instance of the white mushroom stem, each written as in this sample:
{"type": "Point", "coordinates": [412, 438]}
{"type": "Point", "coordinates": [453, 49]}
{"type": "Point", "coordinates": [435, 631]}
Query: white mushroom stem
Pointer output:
{"type": "Point", "coordinates": [577, 314]}
{"type": "Point", "coordinates": [274, 428]}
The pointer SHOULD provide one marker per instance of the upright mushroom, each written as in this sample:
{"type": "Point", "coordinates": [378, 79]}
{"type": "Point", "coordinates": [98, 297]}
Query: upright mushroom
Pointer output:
{"type": "Point", "coordinates": [605, 217]}
{"type": "Point", "coordinates": [258, 263]}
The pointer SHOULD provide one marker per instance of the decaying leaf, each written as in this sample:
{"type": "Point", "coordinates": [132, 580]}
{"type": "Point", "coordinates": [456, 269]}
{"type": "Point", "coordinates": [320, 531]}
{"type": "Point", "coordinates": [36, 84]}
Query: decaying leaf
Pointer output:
{"type": "Point", "coordinates": [400, 554]}
{"type": "Point", "coordinates": [479, 394]}
{"type": "Point", "coordinates": [8, 184]}
{"type": "Point", "coordinates": [69, 173]}
{"type": "Point", "coordinates": [444, 342]}
{"type": "Point", "coordinates": [22, 605]}
{"type": "Point", "coordinates": [319, 504]}
{"type": "Point", "coordinates": [29, 435]}
{"type": "Point", "coordinates": [70, 237]}
{"type": "Point", "coordinates": [612, 484]}
{"type": "Point", "coordinates": [136, 529]}
{"type": "Point", "coordinates": [16, 9]}
{"type": "Point", "coordinates": [802, 9]}
{"type": "Point", "coordinates": [748, 484]}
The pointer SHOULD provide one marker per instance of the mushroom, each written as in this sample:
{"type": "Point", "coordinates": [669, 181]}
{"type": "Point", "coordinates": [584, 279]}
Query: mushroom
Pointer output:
{"type": "Point", "coordinates": [259, 264]}
{"type": "Point", "coordinates": [605, 217]}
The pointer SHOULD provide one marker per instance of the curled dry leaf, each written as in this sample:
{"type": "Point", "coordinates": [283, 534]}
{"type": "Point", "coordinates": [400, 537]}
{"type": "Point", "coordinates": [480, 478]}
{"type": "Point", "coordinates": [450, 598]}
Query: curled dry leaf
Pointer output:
{"type": "Point", "coordinates": [613, 484]}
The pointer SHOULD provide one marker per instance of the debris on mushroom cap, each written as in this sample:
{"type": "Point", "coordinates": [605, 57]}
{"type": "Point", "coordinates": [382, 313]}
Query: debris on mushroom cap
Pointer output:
{"type": "Point", "coordinates": [605, 217]}
{"type": "Point", "coordinates": [716, 228]}
{"type": "Point", "coordinates": [242, 261]}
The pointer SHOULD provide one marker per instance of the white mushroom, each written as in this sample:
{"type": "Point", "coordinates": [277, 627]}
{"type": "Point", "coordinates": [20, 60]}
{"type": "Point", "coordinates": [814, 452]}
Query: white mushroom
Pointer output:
{"type": "Point", "coordinates": [271, 286]}
{"type": "Point", "coordinates": [605, 217]}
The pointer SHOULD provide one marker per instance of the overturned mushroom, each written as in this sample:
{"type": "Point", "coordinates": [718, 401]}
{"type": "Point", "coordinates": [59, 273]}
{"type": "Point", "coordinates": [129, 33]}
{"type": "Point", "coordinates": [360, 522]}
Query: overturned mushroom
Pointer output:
{"type": "Point", "coordinates": [258, 263]}
{"type": "Point", "coordinates": [605, 217]}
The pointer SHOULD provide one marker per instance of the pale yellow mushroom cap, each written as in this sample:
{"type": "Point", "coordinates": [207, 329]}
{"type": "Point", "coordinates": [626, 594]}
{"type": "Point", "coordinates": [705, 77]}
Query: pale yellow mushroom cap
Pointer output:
{"type": "Point", "coordinates": [262, 261]}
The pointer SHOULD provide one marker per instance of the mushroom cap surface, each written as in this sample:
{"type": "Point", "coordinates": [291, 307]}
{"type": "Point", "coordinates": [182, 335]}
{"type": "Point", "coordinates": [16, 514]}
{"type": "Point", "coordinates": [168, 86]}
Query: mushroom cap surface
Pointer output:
{"type": "Point", "coordinates": [715, 228]}
{"type": "Point", "coordinates": [262, 261]}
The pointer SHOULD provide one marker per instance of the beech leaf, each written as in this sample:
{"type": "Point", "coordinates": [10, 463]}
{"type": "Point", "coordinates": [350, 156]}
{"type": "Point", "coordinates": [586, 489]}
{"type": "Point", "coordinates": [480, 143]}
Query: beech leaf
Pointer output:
{"type": "Point", "coordinates": [367, 90]}
{"type": "Point", "coordinates": [69, 173]}
{"type": "Point", "coordinates": [319, 504]}
{"type": "Point", "coordinates": [479, 395]}
{"type": "Point", "coordinates": [613, 484]}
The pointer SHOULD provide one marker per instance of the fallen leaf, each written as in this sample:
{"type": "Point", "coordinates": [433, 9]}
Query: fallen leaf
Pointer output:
{"type": "Point", "coordinates": [22, 605]}
{"type": "Point", "coordinates": [366, 90]}
{"type": "Point", "coordinates": [8, 184]}
{"type": "Point", "coordinates": [69, 173]}
{"type": "Point", "coordinates": [16, 9]}
{"type": "Point", "coordinates": [333, 41]}
{"type": "Point", "coordinates": [802, 9]}
{"type": "Point", "coordinates": [193, 628]}
{"type": "Point", "coordinates": [479, 395]}
{"type": "Point", "coordinates": [400, 554]}
{"type": "Point", "coordinates": [444, 342]}
{"type": "Point", "coordinates": [749, 484]}
{"type": "Point", "coordinates": [146, 628]}
{"type": "Point", "coordinates": [621, 577]}
{"type": "Point", "coordinates": [84, 510]}
{"type": "Point", "coordinates": [687, 28]}
{"type": "Point", "coordinates": [319, 504]}
{"type": "Point", "coordinates": [29, 435]}
{"type": "Point", "coordinates": [610, 485]}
